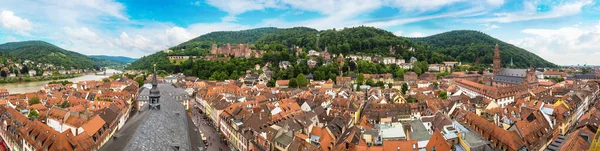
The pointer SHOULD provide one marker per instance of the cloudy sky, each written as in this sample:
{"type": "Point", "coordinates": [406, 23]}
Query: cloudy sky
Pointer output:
{"type": "Point", "coordinates": [563, 32]}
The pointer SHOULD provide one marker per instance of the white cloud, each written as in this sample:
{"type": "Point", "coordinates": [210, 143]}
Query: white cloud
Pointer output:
{"type": "Point", "coordinates": [11, 39]}
{"type": "Point", "coordinates": [490, 26]}
{"type": "Point", "coordinates": [80, 33]}
{"type": "Point", "coordinates": [413, 34]}
{"type": "Point", "coordinates": [399, 33]}
{"type": "Point", "coordinates": [343, 13]}
{"type": "Point", "coordinates": [495, 2]}
{"type": "Point", "coordinates": [196, 3]}
{"type": "Point", "coordinates": [566, 45]}
{"type": "Point", "coordinates": [11, 22]}
{"type": "Point", "coordinates": [177, 35]}
{"type": "Point", "coordinates": [416, 34]}
{"type": "Point", "coordinates": [137, 42]}
{"type": "Point", "coordinates": [530, 12]}
{"type": "Point", "coordinates": [421, 5]}
{"type": "Point", "coordinates": [401, 21]}
{"type": "Point", "coordinates": [236, 7]}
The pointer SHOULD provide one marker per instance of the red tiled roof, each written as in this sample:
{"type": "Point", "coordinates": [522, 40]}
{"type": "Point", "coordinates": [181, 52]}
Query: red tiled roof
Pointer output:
{"type": "Point", "coordinates": [437, 141]}
{"type": "Point", "coordinates": [93, 125]}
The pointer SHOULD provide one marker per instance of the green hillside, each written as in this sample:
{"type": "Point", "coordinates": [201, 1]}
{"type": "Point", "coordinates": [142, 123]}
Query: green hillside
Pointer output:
{"type": "Point", "coordinates": [464, 46]}
{"type": "Point", "coordinates": [44, 52]}
{"type": "Point", "coordinates": [478, 47]}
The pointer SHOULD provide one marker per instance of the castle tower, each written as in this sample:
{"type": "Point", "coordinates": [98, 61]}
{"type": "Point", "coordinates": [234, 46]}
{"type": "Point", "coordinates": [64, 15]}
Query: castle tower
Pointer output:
{"type": "Point", "coordinates": [214, 49]}
{"type": "Point", "coordinates": [341, 62]}
{"type": "Point", "coordinates": [496, 59]}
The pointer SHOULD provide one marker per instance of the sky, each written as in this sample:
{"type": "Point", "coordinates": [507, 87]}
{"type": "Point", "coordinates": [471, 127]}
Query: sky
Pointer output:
{"type": "Point", "coordinates": [563, 32]}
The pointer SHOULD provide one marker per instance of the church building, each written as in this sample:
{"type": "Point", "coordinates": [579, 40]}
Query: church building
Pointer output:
{"type": "Point", "coordinates": [504, 77]}
{"type": "Point", "coordinates": [507, 83]}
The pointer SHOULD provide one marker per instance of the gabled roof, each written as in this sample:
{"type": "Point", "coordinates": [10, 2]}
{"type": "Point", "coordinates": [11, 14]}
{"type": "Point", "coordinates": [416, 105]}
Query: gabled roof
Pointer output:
{"type": "Point", "coordinates": [93, 125]}
{"type": "Point", "coordinates": [437, 142]}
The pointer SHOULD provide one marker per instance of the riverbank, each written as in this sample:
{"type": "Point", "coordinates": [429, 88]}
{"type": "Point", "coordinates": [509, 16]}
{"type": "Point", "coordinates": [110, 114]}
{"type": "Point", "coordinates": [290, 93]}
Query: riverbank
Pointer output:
{"type": "Point", "coordinates": [41, 78]}
{"type": "Point", "coordinates": [33, 86]}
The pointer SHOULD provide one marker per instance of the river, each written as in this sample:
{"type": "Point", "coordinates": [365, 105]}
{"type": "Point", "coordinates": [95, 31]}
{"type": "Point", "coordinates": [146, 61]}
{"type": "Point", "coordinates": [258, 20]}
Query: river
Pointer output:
{"type": "Point", "coordinates": [24, 87]}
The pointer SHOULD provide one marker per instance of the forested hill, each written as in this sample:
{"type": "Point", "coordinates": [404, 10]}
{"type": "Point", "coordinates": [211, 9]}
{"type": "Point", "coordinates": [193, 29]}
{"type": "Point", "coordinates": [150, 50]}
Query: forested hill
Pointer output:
{"type": "Point", "coordinates": [475, 46]}
{"type": "Point", "coordinates": [279, 42]}
{"type": "Point", "coordinates": [464, 46]}
{"type": "Point", "coordinates": [223, 37]}
{"type": "Point", "coordinates": [43, 52]}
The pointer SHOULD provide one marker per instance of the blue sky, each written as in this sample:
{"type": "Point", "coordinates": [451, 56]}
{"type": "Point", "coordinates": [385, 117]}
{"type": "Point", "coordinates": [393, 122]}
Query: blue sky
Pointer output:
{"type": "Point", "coordinates": [563, 32]}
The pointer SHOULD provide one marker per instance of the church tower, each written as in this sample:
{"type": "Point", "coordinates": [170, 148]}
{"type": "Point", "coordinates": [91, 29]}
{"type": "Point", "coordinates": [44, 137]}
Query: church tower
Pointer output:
{"type": "Point", "coordinates": [496, 59]}
{"type": "Point", "coordinates": [154, 93]}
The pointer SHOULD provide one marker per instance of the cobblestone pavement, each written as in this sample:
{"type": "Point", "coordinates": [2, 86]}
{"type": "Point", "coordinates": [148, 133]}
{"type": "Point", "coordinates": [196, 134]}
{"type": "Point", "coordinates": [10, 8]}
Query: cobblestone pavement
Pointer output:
{"type": "Point", "coordinates": [213, 138]}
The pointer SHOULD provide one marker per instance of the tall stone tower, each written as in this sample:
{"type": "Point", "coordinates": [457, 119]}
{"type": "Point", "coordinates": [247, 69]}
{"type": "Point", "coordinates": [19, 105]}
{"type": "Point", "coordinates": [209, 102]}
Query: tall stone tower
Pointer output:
{"type": "Point", "coordinates": [496, 59]}
{"type": "Point", "coordinates": [341, 61]}
{"type": "Point", "coordinates": [154, 93]}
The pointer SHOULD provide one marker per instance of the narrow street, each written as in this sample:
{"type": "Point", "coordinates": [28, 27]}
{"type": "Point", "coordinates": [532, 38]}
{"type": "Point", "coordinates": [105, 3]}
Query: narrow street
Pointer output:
{"type": "Point", "coordinates": [213, 139]}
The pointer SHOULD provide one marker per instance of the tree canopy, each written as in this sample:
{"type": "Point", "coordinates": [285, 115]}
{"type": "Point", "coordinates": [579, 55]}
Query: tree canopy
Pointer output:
{"type": "Point", "coordinates": [477, 47]}
{"type": "Point", "coordinates": [34, 100]}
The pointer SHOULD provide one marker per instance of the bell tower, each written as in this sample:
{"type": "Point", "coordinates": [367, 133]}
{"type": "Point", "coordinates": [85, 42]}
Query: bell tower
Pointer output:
{"type": "Point", "coordinates": [154, 93]}
{"type": "Point", "coordinates": [496, 59]}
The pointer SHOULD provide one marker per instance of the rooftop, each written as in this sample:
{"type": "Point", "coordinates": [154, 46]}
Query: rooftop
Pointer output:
{"type": "Point", "coordinates": [392, 131]}
{"type": "Point", "coordinates": [164, 129]}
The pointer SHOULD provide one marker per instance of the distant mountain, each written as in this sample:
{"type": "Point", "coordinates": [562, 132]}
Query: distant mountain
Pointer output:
{"type": "Point", "coordinates": [464, 46]}
{"type": "Point", "coordinates": [43, 52]}
{"type": "Point", "coordinates": [474, 46]}
{"type": "Point", "coordinates": [102, 60]}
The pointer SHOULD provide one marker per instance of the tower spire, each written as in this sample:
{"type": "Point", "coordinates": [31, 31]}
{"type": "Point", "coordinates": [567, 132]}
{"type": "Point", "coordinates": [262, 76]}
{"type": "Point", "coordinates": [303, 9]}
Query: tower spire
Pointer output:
{"type": "Point", "coordinates": [511, 63]}
{"type": "Point", "coordinates": [154, 93]}
{"type": "Point", "coordinates": [154, 81]}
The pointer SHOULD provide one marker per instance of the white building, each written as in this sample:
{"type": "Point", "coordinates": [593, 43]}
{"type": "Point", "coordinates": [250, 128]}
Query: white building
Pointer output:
{"type": "Point", "coordinates": [389, 60]}
{"type": "Point", "coordinates": [32, 73]}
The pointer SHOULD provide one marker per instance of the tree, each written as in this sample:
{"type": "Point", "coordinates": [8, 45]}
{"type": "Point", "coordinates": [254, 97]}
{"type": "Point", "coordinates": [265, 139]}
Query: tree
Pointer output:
{"type": "Point", "coordinates": [360, 79]}
{"type": "Point", "coordinates": [234, 75]}
{"type": "Point", "coordinates": [302, 81]}
{"type": "Point", "coordinates": [410, 99]}
{"type": "Point", "coordinates": [293, 83]}
{"type": "Point", "coordinates": [404, 88]}
{"type": "Point", "coordinates": [417, 70]}
{"type": "Point", "coordinates": [115, 76]}
{"type": "Point", "coordinates": [441, 74]}
{"type": "Point", "coordinates": [64, 104]}
{"type": "Point", "coordinates": [399, 73]}
{"type": "Point", "coordinates": [130, 76]}
{"type": "Point", "coordinates": [319, 75]}
{"type": "Point", "coordinates": [33, 114]}
{"type": "Point", "coordinates": [370, 82]}
{"type": "Point", "coordinates": [34, 100]}
{"type": "Point", "coordinates": [140, 81]}
{"type": "Point", "coordinates": [380, 84]}
{"type": "Point", "coordinates": [443, 95]}
{"type": "Point", "coordinates": [271, 83]}
{"type": "Point", "coordinates": [586, 70]}
{"type": "Point", "coordinates": [436, 84]}
{"type": "Point", "coordinates": [24, 70]}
